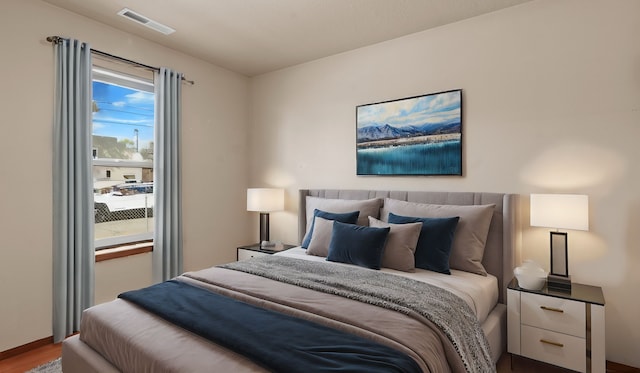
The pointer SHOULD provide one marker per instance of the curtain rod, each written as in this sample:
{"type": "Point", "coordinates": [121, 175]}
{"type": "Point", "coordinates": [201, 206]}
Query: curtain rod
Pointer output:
{"type": "Point", "coordinates": [58, 39]}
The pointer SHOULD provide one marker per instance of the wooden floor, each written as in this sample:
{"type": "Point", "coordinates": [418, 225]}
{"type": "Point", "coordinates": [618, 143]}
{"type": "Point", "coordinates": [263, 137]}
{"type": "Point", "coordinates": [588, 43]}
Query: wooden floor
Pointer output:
{"type": "Point", "coordinates": [31, 359]}
{"type": "Point", "coordinates": [41, 355]}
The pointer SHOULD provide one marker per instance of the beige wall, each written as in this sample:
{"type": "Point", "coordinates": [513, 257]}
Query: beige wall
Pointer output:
{"type": "Point", "coordinates": [213, 163]}
{"type": "Point", "coordinates": [117, 275]}
{"type": "Point", "coordinates": [551, 93]}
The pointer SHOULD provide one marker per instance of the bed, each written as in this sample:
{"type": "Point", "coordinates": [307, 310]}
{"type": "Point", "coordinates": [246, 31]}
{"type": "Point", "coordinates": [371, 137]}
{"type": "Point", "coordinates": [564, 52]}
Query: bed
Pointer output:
{"type": "Point", "coordinates": [310, 292]}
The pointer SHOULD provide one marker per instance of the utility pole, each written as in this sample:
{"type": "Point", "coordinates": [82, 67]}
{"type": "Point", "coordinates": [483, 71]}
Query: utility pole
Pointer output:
{"type": "Point", "coordinates": [135, 131]}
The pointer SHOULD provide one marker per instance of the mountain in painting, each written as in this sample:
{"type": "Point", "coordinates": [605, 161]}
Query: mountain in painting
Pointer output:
{"type": "Point", "coordinates": [386, 131]}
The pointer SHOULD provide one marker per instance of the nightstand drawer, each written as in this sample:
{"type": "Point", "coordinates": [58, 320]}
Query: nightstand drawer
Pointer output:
{"type": "Point", "coordinates": [248, 254]}
{"type": "Point", "coordinates": [555, 348]}
{"type": "Point", "coordinates": [561, 315]}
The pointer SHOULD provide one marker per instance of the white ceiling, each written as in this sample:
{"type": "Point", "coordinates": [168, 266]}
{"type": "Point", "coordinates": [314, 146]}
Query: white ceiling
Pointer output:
{"type": "Point", "coordinates": [252, 37]}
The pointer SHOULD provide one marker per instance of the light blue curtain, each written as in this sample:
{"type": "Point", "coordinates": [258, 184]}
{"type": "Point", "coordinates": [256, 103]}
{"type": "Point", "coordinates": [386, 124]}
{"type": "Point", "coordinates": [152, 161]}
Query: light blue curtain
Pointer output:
{"type": "Point", "coordinates": [73, 251]}
{"type": "Point", "coordinates": [167, 241]}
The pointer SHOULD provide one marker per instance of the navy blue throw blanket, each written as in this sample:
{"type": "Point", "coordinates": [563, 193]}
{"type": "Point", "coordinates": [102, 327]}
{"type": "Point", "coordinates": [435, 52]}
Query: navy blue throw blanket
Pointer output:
{"type": "Point", "coordinates": [276, 341]}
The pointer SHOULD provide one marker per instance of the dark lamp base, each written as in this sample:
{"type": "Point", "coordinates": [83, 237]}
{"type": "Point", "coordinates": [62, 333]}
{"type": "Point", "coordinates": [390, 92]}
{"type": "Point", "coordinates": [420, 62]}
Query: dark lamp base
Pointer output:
{"type": "Point", "coordinates": [264, 227]}
{"type": "Point", "coordinates": [559, 283]}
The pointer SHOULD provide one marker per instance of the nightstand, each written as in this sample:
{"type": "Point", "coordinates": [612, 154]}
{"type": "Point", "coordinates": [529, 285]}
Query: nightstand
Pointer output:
{"type": "Point", "coordinates": [254, 251]}
{"type": "Point", "coordinates": [560, 328]}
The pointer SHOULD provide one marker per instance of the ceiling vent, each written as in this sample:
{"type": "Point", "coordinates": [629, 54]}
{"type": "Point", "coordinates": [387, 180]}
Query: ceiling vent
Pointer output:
{"type": "Point", "coordinates": [145, 21]}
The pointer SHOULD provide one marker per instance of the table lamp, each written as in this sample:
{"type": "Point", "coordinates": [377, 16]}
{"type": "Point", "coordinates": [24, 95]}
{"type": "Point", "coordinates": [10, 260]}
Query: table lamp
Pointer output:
{"type": "Point", "coordinates": [559, 211]}
{"type": "Point", "coordinates": [265, 200]}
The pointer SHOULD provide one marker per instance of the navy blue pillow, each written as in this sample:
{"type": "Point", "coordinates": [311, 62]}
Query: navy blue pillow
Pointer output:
{"type": "Point", "coordinates": [344, 217]}
{"type": "Point", "coordinates": [434, 244]}
{"type": "Point", "coordinates": [355, 244]}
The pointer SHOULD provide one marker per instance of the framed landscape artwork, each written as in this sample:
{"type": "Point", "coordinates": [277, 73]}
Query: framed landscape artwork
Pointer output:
{"type": "Point", "coordinates": [419, 135]}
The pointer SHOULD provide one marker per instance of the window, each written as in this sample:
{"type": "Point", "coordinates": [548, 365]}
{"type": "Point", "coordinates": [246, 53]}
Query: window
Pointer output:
{"type": "Point", "coordinates": [123, 132]}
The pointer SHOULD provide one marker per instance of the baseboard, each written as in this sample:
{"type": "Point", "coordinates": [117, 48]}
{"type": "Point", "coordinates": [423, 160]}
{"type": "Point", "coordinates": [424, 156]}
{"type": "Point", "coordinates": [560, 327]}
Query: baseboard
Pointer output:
{"type": "Point", "coordinates": [26, 348]}
{"type": "Point", "coordinates": [621, 368]}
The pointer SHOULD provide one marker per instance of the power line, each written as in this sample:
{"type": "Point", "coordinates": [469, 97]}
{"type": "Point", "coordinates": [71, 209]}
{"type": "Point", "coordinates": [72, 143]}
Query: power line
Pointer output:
{"type": "Point", "coordinates": [124, 124]}
{"type": "Point", "coordinates": [128, 112]}
{"type": "Point", "coordinates": [131, 106]}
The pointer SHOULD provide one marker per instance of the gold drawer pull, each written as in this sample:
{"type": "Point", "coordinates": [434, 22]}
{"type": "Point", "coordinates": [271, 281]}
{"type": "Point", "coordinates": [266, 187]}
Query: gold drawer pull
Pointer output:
{"type": "Point", "coordinates": [552, 343]}
{"type": "Point", "coordinates": [551, 309]}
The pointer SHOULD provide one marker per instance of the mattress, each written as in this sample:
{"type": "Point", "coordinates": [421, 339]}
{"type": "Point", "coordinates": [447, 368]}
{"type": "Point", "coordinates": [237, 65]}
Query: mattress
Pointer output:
{"type": "Point", "coordinates": [479, 292]}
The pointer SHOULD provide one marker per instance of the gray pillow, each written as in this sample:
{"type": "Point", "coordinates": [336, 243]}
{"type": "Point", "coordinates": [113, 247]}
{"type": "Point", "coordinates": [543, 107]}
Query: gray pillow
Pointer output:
{"type": "Point", "coordinates": [321, 238]}
{"type": "Point", "coordinates": [367, 207]}
{"type": "Point", "coordinates": [401, 244]}
{"type": "Point", "coordinates": [471, 233]}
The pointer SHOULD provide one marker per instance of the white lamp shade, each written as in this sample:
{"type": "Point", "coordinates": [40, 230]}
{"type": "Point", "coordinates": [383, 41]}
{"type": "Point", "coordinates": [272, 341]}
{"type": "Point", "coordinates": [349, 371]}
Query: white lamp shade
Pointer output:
{"type": "Point", "coordinates": [560, 211]}
{"type": "Point", "coordinates": [265, 199]}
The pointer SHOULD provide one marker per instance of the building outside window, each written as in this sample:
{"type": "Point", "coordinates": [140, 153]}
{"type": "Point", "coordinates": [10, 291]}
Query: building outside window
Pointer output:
{"type": "Point", "coordinates": [122, 152]}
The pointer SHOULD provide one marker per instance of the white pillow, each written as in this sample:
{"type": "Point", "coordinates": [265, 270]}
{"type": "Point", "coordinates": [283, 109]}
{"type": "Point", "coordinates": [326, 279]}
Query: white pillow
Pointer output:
{"type": "Point", "coordinates": [471, 233]}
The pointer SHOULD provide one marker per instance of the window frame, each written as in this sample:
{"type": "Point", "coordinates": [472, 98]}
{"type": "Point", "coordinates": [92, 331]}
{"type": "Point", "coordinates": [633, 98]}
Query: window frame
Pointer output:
{"type": "Point", "coordinates": [136, 82]}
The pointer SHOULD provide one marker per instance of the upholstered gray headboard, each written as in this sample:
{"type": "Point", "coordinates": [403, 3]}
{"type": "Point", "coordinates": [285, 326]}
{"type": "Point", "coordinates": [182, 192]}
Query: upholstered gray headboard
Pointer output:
{"type": "Point", "coordinates": [499, 254]}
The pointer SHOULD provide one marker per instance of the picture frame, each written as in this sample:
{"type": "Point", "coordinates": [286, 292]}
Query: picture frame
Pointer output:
{"type": "Point", "coordinates": [413, 136]}
{"type": "Point", "coordinates": [559, 254]}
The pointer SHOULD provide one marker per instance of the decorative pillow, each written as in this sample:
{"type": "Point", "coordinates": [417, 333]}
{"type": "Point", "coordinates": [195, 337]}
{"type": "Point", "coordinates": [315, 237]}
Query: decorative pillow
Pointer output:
{"type": "Point", "coordinates": [401, 244]}
{"type": "Point", "coordinates": [319, 244]}
{"type": "Point", "coordinates": [367, 207]}
{"type": "Point", "coordinates": [471, 234]}
{"type": "Point", "coordinates": [434, 245]}
{"type": "Point", "coordinates": [347, 217]}
{"type": "Point", "coordinates": [355, 244]}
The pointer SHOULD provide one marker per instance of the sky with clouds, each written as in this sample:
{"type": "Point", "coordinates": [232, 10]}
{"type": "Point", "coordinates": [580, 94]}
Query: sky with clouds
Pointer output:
{"type": "Point", "coordinates": [439, 108]}
{"type": "Point", "coordinates": [121, 111]}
